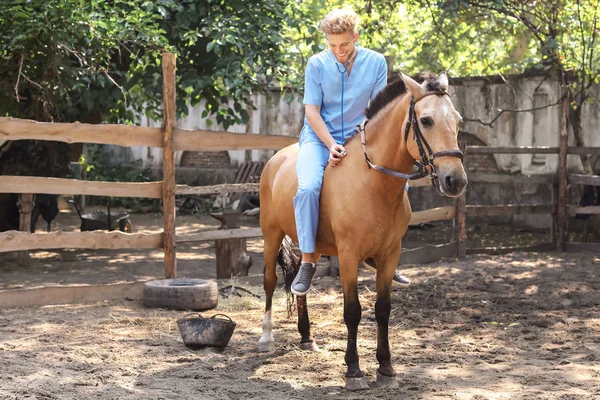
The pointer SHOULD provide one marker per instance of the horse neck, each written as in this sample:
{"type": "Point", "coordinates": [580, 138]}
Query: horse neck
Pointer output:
{"type": "Point", "coordinates": [385, 137]}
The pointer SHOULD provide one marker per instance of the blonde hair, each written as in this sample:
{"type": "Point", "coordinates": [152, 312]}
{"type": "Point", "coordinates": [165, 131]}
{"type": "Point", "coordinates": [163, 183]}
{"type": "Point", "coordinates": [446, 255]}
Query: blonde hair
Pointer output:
{"type": "Point", "coordinates": [340, 21]}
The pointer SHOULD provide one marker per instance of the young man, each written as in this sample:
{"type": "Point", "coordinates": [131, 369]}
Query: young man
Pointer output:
{"type": "Point", "coordinates": [339, 83]}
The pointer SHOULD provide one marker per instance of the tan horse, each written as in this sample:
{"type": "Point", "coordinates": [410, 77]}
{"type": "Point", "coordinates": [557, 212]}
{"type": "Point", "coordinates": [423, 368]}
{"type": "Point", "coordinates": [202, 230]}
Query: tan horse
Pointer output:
{"type": "Point", "coordinates": [364, 208]}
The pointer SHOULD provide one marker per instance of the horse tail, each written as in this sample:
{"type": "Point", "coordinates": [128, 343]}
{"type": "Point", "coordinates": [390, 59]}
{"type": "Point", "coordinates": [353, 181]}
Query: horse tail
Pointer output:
{"type": "Point", "coordinates": [289, 262]}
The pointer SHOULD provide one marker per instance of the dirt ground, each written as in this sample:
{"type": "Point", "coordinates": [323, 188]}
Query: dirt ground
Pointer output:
{"type": "Point", "coordinates": [518, 326]}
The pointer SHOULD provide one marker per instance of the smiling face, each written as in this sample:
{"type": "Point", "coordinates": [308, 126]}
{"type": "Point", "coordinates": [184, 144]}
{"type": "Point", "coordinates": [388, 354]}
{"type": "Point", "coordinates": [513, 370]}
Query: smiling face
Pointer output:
{"type": "Point", "coordinates": [342, 45]}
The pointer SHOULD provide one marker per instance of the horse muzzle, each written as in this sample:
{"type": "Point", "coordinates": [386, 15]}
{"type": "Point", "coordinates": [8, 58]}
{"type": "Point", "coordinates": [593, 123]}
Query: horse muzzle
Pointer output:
{"type": "Point", "coordinates": [451, 184]}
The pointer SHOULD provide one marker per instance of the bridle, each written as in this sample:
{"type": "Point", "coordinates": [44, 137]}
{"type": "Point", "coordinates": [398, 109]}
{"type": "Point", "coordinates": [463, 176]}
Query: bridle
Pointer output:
{"type": "Point", "coordinates": [425, 152]}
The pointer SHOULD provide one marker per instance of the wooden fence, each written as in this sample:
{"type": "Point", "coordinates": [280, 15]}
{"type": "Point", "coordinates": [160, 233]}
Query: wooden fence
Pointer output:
{"type": "Point", "coordinates": [172, 139]}
{"type": "Point", "coordinates": [168, 137]}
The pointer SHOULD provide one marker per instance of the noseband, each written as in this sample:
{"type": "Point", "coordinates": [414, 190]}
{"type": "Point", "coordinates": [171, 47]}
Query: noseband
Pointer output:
{"type": "Point", "coordinates": [425, 152]}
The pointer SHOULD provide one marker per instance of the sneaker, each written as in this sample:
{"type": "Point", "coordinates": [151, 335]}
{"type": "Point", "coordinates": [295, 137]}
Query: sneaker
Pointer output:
{"type": "Point", "coordinates": [301, 283]}
{"type": "Point", "coordinates": [400, 279]}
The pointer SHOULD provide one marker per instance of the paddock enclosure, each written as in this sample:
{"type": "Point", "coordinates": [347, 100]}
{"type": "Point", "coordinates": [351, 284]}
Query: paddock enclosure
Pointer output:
{"type": "Point", "coordinates": [518, 320]}
{"type": "Point", "coordinates": [514, 326]}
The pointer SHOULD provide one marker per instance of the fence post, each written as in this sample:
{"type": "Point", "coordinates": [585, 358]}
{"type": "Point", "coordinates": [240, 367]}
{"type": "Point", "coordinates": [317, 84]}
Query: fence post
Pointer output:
{"type": "Point", "coordinates": [168, 189]}
{"type": "Point", "coordinates": [25, 208]}
{"type": "Point", "coordinates": [461, 211]}
{"type": "Point", "coordinates": [561, 212]}
{"type": "Point", "coordinates": [553, 226]}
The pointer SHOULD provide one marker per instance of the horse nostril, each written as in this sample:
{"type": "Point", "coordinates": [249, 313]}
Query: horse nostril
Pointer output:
{"type": "Point", "coordinates": [450, 181]}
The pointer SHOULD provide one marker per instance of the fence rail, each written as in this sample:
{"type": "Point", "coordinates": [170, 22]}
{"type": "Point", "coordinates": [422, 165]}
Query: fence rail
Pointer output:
{"type": "Point", "coordinates": [29, 184]}
{"type": "Point", "coordinates": [531, 150]}
{"type": "Point", "coordinates": [130, 135]}
{"type": "Point", "coordinates": [19, 241]}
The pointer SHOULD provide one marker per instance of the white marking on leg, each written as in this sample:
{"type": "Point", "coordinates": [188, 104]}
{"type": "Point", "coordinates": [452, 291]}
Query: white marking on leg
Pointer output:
{"type": "Point", "coordinates": [266, 341]}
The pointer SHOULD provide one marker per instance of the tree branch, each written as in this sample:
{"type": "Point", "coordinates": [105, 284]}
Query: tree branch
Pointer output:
{"type": "Point", "coordinates": [115, 83]}
{"type": "Point", "coordinates": [515, 110]}
{"type": "Point", "coordinates": [19, 76]}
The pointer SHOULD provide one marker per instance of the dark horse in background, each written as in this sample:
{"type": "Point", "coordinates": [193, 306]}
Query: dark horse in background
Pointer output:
{"type": "Point", "coordinates": [364, 208]}
{"type": "Point", "coordinates": [590, 197]}
{"type": "Point", "coordinates": [45, 205]}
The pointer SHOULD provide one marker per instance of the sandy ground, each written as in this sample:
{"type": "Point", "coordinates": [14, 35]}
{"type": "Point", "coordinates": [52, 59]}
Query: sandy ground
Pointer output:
{"type": "Point", "coordinates": [518, 326]}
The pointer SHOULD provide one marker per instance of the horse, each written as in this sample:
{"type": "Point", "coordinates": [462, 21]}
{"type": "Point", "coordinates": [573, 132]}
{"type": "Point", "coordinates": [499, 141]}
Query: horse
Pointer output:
{"type": "Point", "coordinates": [589, 197]}
{"type": "Point", "coordinates": [364, 210]}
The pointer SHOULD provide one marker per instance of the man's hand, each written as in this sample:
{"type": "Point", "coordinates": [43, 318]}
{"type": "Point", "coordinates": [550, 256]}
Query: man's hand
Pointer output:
{"type": "Point", "coordinates": [336, 153]}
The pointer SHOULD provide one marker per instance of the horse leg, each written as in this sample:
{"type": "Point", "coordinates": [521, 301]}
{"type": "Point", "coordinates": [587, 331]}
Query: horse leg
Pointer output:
{"type": "Point", "coordinates": [272, 242]}
{"type": "Point", "coordinates": [385, 273]}
{"type": "Point", "coordinates": [306, 341]}
{"type": "Point", "coordinates": [355, 379]}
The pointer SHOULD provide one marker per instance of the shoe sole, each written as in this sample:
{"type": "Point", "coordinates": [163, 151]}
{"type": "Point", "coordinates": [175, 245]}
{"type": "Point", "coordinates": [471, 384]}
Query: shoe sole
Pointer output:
{"type": "Point", "coordinates": [374, 270]}
{"type": "Point", "coordinates": [299, 293]}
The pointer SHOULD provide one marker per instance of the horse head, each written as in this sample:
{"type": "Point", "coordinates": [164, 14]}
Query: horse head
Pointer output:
{"type": "Point", "coordinates": [430, 134]}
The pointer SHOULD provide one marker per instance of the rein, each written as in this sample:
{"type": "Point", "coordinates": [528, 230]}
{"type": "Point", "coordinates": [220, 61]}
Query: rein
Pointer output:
{"type": "Point", "coordinates": [425, 151]}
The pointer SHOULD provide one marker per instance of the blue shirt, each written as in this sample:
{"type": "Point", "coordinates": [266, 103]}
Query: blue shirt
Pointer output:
{"type": "Point", "coordinates": [323, 87]}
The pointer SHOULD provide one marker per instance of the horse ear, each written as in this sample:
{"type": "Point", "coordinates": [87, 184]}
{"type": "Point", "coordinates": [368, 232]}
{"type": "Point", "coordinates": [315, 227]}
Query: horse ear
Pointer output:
{"type": "Point", "coordinates": [413, 86]}
{"type": "Point", "coordinates": [443, 80]}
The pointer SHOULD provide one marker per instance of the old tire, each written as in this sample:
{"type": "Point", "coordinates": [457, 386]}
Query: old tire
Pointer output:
{"type": "Point", "coordinates": [181, 294]}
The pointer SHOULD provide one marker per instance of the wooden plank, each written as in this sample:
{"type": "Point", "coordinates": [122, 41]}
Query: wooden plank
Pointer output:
{"type": "Point", "coordinates": [577, 247]}
{"type": "Point", "coordinates": [43, 296]}
{"type": "Point", "coordinates": [121, 135]}
{"type": "Point", "coordinates": [17, 241]}
{"type": "Point", "coordinates": [21, 184]}
{"type": "Point", "coordinates": [509, 209]}
{"type": "Point", "coordinates": [204, 140]}
{"type": "Point", "coordinates": [562, 215]}
{"type": "Point", "coordinates": [583, 210]}
{"type": "Point", "coordinates": [168, 189]}
{"type": "Point", "coordinates": [578, 179]}
{"type": "Point", "coordinates": [216, 189]}
{"type": "Point", "coordinates": [220, 234]}
{"type": "Point", "coordinates": [461, 212]}
{"type": "Point", "coordinates": [420, 182]}
{"type": "Point", "coordinates": [511, 179]}
{"type": "Point", "coordinates": [505, 250]}
{"type": "Point", "coordinates": [428, 253]}
{"type": "Point", "coordinates": [531, 150]}
{"type": "Point", "coordinates": [434, 214]}
{"type": "Point", "coordinates": [583, 150]}
{"type": "Point", "coordinates": [513, 150]}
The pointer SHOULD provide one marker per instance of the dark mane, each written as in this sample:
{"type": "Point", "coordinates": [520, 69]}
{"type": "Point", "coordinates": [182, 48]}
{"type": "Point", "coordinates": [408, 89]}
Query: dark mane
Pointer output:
{"type": "Point", "coordinates": [384, 97]}
{"type": "Point", "coordinates": [397, 88]}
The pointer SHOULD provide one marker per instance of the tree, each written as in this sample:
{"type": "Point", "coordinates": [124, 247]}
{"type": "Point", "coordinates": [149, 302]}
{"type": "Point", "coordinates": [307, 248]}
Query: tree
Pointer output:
{"type": "Point", "coordinates": [558, 36]}
{"type": "Point", "coordinates": [98, 60]}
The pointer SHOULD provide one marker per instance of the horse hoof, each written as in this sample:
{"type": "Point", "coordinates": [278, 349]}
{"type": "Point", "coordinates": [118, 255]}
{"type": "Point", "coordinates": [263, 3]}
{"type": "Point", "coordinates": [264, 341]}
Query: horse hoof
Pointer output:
{"type": "Point", "coordinates": [356, 383]}
{"type": "Point", "coordinates": [264, 347]}
{"type": "Point", "coordinates": [387, 381]}
{"type": "Point", "coordinates": [309, 346]}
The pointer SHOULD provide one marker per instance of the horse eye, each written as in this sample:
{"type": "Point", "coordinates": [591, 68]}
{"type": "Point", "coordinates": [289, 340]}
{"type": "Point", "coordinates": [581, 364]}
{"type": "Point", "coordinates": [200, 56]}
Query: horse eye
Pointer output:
{"type": "Point", "coordinates": [426, 121]}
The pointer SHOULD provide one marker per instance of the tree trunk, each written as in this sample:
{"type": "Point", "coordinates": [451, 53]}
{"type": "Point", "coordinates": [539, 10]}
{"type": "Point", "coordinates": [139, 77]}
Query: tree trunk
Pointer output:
{"type": "Point", "coordinates": [25, 208]}
{"type": "Point", "coordinates": [232, 259]}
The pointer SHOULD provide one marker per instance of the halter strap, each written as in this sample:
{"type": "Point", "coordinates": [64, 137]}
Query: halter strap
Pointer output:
{"type": "Point", "coordinates": [425, 151]}
{"type": "Point", "coordinates": [363, 140]}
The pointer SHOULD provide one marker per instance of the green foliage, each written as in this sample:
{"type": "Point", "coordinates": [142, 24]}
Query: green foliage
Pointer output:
{"type": "Point", "coordinates": [63, 60]}
{"type": "Point", "coordinates": [93, 60]}
{"type": "Point", "coordinates": [227, 50]}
